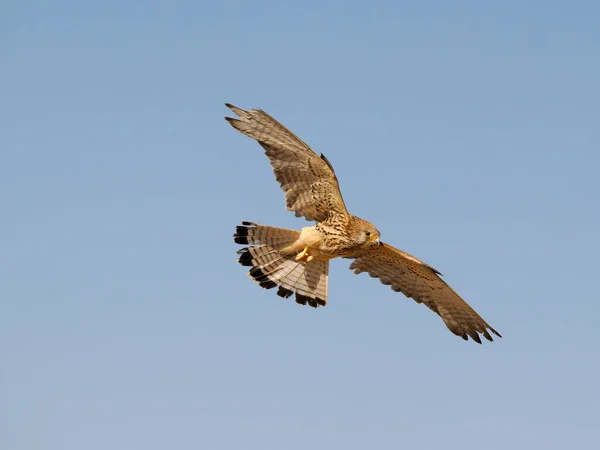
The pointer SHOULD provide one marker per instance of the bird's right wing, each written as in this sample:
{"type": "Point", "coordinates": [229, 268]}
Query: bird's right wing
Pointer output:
{"type": "Point", "coordinates": [415, 279]}
{"type": "Point", "coordinates": [309, 182]}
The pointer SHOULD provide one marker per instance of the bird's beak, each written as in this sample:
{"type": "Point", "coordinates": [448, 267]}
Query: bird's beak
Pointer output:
{"type": "Point", "coordinates": [378, 241]}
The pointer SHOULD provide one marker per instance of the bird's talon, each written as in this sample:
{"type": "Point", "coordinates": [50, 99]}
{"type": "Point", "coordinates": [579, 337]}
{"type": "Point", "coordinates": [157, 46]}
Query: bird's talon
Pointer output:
{"type": "Point", "coordinates": [303, 256]}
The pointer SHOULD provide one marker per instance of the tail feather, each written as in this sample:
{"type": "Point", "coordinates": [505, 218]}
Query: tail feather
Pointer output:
{"type": "Point", "coordinates": [250, 233]}
{"type": "Point", "coordinates": [269, 268]}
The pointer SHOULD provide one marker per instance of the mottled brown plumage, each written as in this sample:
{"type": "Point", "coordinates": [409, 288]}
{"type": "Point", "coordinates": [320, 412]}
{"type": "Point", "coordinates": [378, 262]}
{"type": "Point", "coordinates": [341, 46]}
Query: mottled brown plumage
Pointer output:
{"type": "Point", "coordinates": [310, 185]}
{"type": "Point", "coordinates": [297, 262]}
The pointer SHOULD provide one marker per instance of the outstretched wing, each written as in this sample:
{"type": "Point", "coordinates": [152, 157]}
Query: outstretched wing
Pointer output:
{"type": "Point", "coordinates": [415, 279]}
{"type": "Point", "coordinates": [310, 185]}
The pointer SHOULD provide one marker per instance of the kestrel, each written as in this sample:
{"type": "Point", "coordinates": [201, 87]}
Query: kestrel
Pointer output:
{"type": "Point", "coordinates": [297, 262]}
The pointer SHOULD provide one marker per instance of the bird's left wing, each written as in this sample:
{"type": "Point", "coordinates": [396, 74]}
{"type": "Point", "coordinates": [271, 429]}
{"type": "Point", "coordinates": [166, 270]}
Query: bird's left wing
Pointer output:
{"type": "Point", "coordinates": [308, 180]}
{"type": "Point", "coordinates": [415, 279]}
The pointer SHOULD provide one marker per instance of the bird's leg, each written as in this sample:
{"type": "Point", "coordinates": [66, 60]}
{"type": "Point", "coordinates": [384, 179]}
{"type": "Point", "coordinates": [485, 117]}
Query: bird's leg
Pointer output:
{"type": "Point", "coordinates": [303, 256]}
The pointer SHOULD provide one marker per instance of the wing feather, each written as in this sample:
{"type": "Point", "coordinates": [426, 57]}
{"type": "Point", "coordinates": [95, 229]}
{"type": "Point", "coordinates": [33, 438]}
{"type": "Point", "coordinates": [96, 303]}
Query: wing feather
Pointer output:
{"type": "Point", "coordinates": [308, 180]}
{"type": "Point", "coordinates": [406, 274]}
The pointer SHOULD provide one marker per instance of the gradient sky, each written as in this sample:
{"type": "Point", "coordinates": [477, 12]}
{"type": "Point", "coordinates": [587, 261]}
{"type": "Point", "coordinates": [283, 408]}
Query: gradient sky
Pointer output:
{"type": "Point", "coordinates": [468, 132]}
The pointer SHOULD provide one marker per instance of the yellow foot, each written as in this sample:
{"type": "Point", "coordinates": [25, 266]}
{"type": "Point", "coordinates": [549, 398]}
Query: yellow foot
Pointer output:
{"type": "Point", "coordinates": [303, 256]}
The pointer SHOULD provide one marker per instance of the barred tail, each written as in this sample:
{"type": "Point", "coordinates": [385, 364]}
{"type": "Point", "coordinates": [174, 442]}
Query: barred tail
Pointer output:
{"type": "Point", "coordinates": [269, 268]}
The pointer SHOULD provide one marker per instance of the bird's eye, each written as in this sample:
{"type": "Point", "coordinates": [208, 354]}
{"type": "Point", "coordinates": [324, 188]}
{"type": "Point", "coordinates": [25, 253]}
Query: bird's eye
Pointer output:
{"type": "Point", "coordinates": [367, 233]}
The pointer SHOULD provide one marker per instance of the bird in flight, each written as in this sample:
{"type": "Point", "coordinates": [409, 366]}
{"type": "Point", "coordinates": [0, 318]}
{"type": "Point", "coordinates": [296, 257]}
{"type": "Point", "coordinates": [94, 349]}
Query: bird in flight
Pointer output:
{"type": "Point", "coordinates": [297, 262]}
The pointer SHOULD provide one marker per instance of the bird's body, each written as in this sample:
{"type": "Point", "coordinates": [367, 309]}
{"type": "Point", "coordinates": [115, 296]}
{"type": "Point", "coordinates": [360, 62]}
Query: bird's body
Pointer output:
{"type": "Point", "coordinates": [335, 238]}
{"type": "Point", "coordinates": [316, 243]}
{"type": "Point", "coordinates": [297, 262]}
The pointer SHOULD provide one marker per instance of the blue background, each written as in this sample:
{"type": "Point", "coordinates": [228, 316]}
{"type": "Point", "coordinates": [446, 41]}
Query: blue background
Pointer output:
{"type": "Point", "coordinates": [467, 132]}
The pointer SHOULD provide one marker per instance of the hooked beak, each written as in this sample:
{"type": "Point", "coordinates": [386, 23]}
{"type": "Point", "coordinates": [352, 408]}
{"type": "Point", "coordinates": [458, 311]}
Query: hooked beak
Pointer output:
{"type": "Point", "coordinates": [378, 241]}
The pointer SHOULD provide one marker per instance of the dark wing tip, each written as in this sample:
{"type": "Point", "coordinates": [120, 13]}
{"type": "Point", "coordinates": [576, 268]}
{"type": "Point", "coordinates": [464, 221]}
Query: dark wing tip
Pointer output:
{"type": "Point", "coordinates": [230, 106]}
{"type": "Point", "coordinates": [233, 122]}
{"type": "Point", "coordinates": [237, 111]}
{"type": "Point", "coordinates": [475, 336]}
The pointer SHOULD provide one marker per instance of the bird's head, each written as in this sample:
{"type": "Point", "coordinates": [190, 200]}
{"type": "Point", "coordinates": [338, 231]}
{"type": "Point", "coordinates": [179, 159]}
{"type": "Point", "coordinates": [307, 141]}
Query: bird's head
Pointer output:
{"type": "Point", "coordinates": [365, 232]}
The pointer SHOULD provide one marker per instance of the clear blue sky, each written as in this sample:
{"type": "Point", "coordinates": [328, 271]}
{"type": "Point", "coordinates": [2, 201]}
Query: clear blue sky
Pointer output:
{"type": "Point", "coordinates": [468, 132]}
